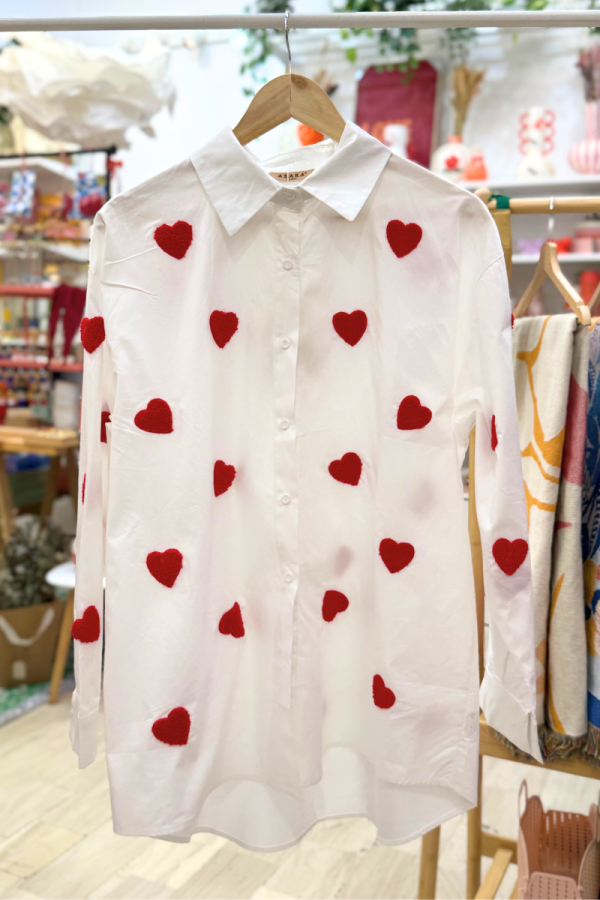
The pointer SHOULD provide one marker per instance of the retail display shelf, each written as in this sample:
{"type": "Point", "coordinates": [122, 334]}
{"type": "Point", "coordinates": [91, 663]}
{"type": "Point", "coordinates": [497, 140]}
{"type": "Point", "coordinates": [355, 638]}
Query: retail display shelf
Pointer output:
{"type": "Point", "coordinates": [26, 290]}
{"type": "Point", "coordinates": [57, 366]}
{"type": "Point", "coordinates": [26, 362]}
{"type": "Point", "coordinates": [73, 252]}
{"type": "Point", "coordinates": [532, 258]}
{"type": "Point", "coordinates": [56, 176]}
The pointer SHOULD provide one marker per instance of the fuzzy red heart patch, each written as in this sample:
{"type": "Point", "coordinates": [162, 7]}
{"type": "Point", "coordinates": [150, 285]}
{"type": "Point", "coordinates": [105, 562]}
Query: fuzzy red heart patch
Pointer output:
{"type": "Point", "coordinates": [411, 415]}
{"type": "Point", "coordinates": [104, 419]}
{"type": "Point", "coordinates": [223, 477]}
{"type": "Point", "coordinates": [396, 555]}
{"type": "Point", "coordinates": [174, 729]}
{"type": "Point", "coordinates": [92, 333]}
{"type": "Point", "coordinates": [383, 696]}
{"type": "Point", "coordinates": [87, 628]}
{"type": "Point", "coordinates": [509, 555]}
{"type": "Point", "coordinates": [403, 239]}
{"type": "Point", "coordinates": [494, 434]}
{"type": "Point", "coordinates": [350, 326]}
{"type": "Point", "coordinates": [223, 325]}
{"type": "Point", "coordinates": [334, 602]}
{"type": "Point", "coordinates": [232, 623]}
{"type": "Point", "coordinates": [346, 469]}
{"type": "Point", "coordinates": [174, 239]}
{"type": "Point", "coordinates": [157, 418]}
{"type": "Point", "coordinates": [165, 567]}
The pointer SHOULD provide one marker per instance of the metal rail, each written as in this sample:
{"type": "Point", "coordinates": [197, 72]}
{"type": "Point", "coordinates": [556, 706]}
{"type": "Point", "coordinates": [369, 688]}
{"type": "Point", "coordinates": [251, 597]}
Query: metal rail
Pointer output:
{"type": "Point", "coordinates": [559, 18]}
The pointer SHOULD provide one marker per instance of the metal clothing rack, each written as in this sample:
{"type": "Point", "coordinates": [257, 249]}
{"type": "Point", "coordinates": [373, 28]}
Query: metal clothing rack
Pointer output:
{"type": "Point", "coordinates": [560, 18]}
{"type": "Point", "coordinates": [503, 850]}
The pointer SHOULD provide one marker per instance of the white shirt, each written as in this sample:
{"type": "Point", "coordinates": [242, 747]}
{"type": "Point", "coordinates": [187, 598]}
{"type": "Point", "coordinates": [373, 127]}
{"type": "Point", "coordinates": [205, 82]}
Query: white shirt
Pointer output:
{"type": "Point", "coordinates": [291, 375]}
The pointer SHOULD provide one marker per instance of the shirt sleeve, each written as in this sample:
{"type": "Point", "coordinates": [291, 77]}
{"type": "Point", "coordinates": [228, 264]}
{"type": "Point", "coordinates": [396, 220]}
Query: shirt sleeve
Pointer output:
{"type": "Point", "coordinates": [485, 397]}
{"type": "Point", "coordinates": [97, 399]}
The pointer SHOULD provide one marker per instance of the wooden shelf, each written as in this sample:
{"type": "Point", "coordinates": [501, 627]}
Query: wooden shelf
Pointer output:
{"type": "Point", "coordinates": [48, 441]}
{"type": "Point", "coordinates": [489, 745]}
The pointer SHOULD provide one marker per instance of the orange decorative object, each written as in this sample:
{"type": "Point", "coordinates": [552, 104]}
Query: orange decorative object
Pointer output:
{"type": "Point", "coordinates": [308, 136]}
{"type": "Point", "coordinates": [476, 169]}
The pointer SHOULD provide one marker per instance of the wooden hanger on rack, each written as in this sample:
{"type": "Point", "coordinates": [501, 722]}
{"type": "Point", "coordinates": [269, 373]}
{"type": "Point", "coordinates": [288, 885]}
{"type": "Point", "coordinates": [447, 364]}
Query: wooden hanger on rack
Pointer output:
{"type": "Point", "coordinates": [594, 299]}
{"type": "Point", "coordinates": [548, 267]}
{"type": "Point", "coordinates": [290, 97]}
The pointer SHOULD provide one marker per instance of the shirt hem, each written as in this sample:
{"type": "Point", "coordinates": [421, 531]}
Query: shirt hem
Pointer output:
{"type": "Point", "coordinates": [255, 848]}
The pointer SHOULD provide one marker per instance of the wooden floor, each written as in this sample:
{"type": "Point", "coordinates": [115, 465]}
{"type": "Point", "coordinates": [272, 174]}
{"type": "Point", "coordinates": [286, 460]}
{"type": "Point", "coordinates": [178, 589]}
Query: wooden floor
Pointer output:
{"type": "Point", "coordinates": [56, 838]}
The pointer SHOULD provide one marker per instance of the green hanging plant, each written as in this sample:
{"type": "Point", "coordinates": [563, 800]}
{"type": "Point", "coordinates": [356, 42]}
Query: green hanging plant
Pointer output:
{"type": "Point", "coordinates": [405, 41]}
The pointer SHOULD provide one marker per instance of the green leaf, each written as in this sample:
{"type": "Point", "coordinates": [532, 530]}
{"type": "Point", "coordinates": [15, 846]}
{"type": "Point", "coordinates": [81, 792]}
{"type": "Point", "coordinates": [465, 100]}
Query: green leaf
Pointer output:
{"type": "Point", "coordinates": [351, 54]}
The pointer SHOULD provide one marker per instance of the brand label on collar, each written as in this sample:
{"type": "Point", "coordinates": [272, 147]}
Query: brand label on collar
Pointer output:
{"type": "Point", "coordinates": [290, 177]}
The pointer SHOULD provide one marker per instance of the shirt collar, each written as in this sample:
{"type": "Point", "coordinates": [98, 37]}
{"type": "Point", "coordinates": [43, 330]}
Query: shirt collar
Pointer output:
{"type": "Point", "coordinates": [238, 185]}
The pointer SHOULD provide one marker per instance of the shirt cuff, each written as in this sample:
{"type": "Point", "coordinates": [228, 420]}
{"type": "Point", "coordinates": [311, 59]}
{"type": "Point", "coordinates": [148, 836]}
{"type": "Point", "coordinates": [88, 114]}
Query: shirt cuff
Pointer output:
{"type": "Point", "coordinates": [84, 736]}
{"type": "Point", "coordinates": [504, 713]}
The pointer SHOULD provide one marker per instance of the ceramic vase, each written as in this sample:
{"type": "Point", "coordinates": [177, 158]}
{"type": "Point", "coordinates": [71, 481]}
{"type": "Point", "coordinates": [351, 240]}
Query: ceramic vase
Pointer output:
{"type": "Point", "coordinates": [584, 156]}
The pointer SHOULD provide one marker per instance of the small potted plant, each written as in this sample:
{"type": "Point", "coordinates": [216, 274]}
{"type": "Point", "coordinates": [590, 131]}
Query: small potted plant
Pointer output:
{"type": "Point", "coordinates": [29, 613]}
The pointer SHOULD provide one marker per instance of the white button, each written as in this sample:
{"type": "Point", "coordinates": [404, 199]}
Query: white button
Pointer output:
{"type": "Point", "coordinates": [289, 195]}
{"type": "Point", "coordinates": [284, 343]}
{"type": "Point", "coordinates": [288, 577]}
{"type": "Point", "coordinates": [284, 424]}
{"type": "Point", "coordinates": [285, 499]}
{"type": "Point", "coordinates": [287, 264]}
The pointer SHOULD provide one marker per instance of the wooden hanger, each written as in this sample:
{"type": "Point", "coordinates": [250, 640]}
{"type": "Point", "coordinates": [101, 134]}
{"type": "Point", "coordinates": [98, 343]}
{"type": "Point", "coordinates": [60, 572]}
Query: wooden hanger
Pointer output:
{"type": "Point", "coordinates": [594, 299]}
{"type": "Point", "coordinates": [548, 267]}
{"type": "Point", "coordinates": [290, 97]}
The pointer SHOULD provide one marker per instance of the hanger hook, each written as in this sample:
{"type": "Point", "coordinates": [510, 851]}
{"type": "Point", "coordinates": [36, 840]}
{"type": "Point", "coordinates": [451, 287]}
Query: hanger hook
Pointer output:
{"type": "Point", "coordinates": [287, 40]}
{"type": "Point", "coordinates": [551, 220]}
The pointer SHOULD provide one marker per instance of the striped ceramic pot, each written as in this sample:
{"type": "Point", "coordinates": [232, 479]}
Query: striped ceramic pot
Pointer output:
{"type": "Point", "coordinates": [584, 156]}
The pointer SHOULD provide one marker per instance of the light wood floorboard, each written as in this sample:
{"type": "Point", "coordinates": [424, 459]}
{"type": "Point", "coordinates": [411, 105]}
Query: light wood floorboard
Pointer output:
{"type": "Point", "coordinates": [57, 842]}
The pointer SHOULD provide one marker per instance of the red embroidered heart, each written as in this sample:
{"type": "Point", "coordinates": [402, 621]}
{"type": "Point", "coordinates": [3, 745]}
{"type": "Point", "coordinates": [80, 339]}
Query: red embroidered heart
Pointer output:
{"type": "Point", "coordinates": [92, 333]}
{"type": "Point", "coordinates": [350, 326]}
{"type": "Point", "coordinates": [87, 628]}
{"type": "Point", "coordinates": [383, 696]}
{"type": "Point", "coordinates": [346, 469]}
{"type": "Point", "coordinates": [83, 489]}
{"type": "Point", "coordinates": [223, 477]}
{"type": "Point", "coordinates": [494, 435]}
{"type": "Point", "coordinates": [334, 602]}
{"type": "Point", "coordinates": [232, 623]}
{"type": "Point", "coordinates": [403, 239]}
{"type": "Point", "coordinates": [223, 326]}
{"type": "Point", "coordinates": [411, 415]}
{"type": "Point", "coordinates": [174, 239]}
{"type": "Point", "coordinates": [157, 418]}
{"type": "Point", "coordinates": [104, 419]}
{"type": "Point", "coordinates": [396, 555]}
{"type": "Point", "coordinates": [510, 554]}
{"type": "Point", "coordinates": [174, 729]}
{"type": "Point", "coordinates": [165, 567]}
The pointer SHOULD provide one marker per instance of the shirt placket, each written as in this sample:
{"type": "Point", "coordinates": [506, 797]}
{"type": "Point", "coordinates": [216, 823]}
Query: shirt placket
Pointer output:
{"type": "Point", "coordinates": [286, 323]}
